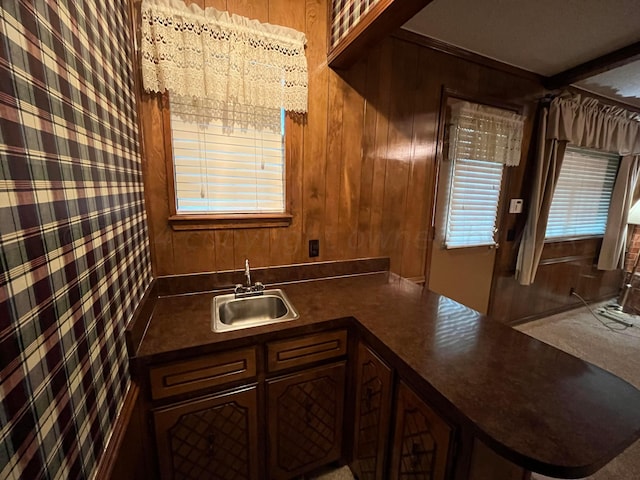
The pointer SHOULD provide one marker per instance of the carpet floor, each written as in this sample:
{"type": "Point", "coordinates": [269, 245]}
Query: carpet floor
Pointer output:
{"type": "Point", "coordinates": [342, 473]}
{"type": "Point", "coordinates": [608, 345]}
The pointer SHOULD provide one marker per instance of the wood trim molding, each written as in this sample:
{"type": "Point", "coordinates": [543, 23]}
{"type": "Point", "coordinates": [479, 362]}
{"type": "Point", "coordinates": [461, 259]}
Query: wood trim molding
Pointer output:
{"type": "Point", "coordinates": [458, 52]}
{"type": "Point", "coordinates": [110, 457]}
{"type": "Point", "coordinates": [381, 20]}
{"type": "Point", "coordinates": [134, 27]}
{"type": "Point", "coordinates": [598, 65]}
{"type": "Point", "coordinates": [567, 259]}
{"type": "Point", "coordinates": [336, 55]}
{"type": "Point", "coordinates": [219, 222]}
{"type": "Point", "coordinates": [137, 326]}
{"type": "Point", "coordinates": [483, 99]}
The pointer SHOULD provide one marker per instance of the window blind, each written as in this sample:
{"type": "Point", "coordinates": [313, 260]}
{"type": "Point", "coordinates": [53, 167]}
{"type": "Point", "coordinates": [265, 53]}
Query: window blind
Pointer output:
{"type": "Point", "coordinates": [473, 203]}
{"type": "Point", "coordinates": [581, 200]}
{"type": "Point", "coordinates": [225, 170]}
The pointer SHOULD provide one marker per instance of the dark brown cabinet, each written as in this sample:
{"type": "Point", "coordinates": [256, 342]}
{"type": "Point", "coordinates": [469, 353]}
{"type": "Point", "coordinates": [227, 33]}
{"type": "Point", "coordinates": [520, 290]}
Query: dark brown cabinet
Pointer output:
{"type": "Point", "coordinates": [305, 414]}
{"type": "Point", "coordinates": [214, 437]}
{"type": "Point", "coordinates": [421, 440]}
{"type": "Point", "coordinates": [372, 408]}
{"type": "Point", "coordinates": [211, 412]}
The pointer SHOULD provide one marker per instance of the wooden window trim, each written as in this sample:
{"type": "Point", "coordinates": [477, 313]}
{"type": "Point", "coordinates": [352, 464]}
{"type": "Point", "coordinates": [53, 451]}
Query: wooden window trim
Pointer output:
{"type": "Point", "coordinates": [210, 221]}
{"type": "Point", "coordinates": [220, 222]}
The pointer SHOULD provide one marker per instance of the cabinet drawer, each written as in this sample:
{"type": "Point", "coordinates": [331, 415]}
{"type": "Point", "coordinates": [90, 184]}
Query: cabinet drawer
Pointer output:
{"type": "Point", "coordinates": [203, 372]}
{"type": "Point", "coordinates": [304, 350]}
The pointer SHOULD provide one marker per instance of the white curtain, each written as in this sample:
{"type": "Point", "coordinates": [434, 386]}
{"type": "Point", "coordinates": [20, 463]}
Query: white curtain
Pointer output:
{"type": "Point", "coordinates": [484, 133]}
{"type": "Point", "coordinates": [215, 60]}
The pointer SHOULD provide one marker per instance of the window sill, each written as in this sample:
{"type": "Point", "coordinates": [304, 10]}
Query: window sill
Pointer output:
{"type": "Point", "coordinates": [571, 238]}
{"type": "Point", "coordinates": [232, 221]}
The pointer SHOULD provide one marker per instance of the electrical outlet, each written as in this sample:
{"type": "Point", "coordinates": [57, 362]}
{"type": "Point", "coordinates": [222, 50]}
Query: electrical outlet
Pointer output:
{"type": "Point", "coordinates": [314, 248]}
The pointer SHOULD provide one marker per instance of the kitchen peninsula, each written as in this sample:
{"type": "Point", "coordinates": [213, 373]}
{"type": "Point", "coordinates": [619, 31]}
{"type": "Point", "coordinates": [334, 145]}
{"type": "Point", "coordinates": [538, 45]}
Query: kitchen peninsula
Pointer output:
{"type": "Point", "coordinates": [530, 403]}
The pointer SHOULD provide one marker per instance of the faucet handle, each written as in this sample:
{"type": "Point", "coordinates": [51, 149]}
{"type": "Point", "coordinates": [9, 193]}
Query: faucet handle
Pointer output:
{"type": "Point", "coordinates": [258, 286]}
{"type": "Point", "coordinates": [239, 288]}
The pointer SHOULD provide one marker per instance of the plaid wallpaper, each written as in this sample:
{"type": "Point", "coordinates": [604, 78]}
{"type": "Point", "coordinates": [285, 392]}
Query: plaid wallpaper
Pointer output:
{"type": "Point", "coordinates": [346, 14]}
{"type": "Point", "coordinates": [73, 238]}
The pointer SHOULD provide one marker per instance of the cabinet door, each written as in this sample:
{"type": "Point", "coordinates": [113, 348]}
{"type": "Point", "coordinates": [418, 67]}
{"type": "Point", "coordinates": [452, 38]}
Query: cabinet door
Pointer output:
{"type": "Point", "coordinates": [210, 438]}
{"type": "Point", "coordinates": [305, 420]}
{"type": "Point", "coordinates": [373, 403]}
{"type": "Point", "coordinates": [421, 442]}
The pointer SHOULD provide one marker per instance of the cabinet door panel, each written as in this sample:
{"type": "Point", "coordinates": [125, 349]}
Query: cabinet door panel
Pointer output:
{"type": "Point", "coordinates": [210, 438]}
{"type": "Point", "coordinates": [305, 420]}
{"type": "Point", "coordinates": [421, 442]}
{"type": "Point", "coordinates": [373, 401]}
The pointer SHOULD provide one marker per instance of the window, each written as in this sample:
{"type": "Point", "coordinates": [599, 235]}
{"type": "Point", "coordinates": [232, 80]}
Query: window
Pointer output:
{"type": "Point", "coordinates": [228, 170]}
{"type": "Point", "coordinates": [228, 74]}
{"type": "Point", "coordinates": [580, 203]}
{"type": "Point", "coordinates": [482, 141]}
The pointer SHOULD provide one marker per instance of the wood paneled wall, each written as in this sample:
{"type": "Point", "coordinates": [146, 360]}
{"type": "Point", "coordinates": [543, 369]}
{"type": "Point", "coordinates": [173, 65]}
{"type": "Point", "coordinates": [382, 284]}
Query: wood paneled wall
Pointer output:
{"type": "Point", "coordinates": [363, 159]}
{"type": "Point", "coordinates": [564, 266]}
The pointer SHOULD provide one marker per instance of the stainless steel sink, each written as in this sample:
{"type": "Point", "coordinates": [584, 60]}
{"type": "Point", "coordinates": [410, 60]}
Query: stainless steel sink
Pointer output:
{"type": "Point", "coordinates": [231, 313]}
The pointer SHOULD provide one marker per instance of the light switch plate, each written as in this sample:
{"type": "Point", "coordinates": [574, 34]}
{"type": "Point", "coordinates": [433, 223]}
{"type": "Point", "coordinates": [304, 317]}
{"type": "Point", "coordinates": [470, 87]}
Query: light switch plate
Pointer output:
{"type": "Point", "coordinates": [515, 206]}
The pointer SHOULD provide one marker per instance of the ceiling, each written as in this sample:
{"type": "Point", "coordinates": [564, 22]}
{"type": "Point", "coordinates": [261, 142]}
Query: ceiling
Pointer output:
{"type": "Point", "coordinates": [546, 37]}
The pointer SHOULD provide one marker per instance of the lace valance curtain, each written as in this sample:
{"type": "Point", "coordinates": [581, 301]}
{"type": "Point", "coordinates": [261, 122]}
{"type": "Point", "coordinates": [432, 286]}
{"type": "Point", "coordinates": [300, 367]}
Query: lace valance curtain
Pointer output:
{"type": "Point", "coordinates": [220, 60]}
{"type": "Point", "coordinates": [485, 133]}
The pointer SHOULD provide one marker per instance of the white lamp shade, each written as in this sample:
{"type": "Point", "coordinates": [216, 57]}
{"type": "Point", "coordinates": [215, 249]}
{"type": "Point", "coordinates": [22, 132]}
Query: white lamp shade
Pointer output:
{"type": "Point", "coordinates": [634, 214]}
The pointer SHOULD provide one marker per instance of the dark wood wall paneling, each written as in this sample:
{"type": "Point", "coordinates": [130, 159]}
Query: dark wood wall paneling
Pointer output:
{"type": "Point", "coordinates": [564, 266]}
{"type": "Point", "coordinates": [363, 167]}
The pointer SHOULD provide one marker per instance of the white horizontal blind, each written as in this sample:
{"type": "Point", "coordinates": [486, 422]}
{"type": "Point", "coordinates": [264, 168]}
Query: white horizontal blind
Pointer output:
{"type": "Point", "coordinates": [473, 203]}
{"type": "Point", "coordinates": [581, 200]}
{"type": "Point", "coordinates": [227, 170]}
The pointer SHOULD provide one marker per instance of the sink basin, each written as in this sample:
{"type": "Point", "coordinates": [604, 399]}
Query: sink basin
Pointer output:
{"type": "Point", "coordinates": [231, 313]}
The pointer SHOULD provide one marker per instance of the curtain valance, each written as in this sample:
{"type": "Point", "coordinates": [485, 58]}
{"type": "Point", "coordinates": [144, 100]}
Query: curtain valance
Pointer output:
{"type": "Point", "coordinates": [484, 133]}
{"type": "Point", "coordinates": [586, 122]}
{"type": "Point", "coordinates": [221, 58]}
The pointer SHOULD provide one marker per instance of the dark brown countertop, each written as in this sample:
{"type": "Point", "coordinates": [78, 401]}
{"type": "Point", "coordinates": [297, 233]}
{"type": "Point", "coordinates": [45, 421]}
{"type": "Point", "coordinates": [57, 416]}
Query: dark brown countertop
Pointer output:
{"type": "Point", "coordinates": [534, 404]}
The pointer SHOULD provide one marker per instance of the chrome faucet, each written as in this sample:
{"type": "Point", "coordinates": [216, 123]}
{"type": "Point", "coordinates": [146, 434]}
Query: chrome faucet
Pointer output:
{"type": "Point", "coordinates": [248, 289]}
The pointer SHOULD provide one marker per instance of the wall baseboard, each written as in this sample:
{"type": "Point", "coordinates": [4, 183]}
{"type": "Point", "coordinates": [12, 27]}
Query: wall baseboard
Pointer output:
{"type": "Point", "coordinates": [122, 458]}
